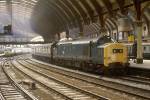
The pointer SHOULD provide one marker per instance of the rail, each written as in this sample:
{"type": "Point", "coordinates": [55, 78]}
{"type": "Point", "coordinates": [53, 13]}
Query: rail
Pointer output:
{"type": "Point", "coordinates": [104, 82]}
{"type": "Point", "coordinates": [68, 85]}
{"type": "Point", "coordinates": [21, 89]}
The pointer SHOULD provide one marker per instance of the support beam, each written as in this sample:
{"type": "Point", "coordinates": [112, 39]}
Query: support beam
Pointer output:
{"type": "Point", "coordinates": [139, 42]}
{"type": "Point", "coordinates": [137, 4]}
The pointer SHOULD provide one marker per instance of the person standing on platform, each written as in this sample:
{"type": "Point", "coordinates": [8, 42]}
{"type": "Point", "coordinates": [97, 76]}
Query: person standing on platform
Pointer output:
{"type": "Point", "coordinates": [134, 50]}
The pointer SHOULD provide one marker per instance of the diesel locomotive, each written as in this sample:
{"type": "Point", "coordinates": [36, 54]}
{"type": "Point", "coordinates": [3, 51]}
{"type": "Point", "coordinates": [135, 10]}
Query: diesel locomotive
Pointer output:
{"type": "Point", "coordinates": [101, 54]}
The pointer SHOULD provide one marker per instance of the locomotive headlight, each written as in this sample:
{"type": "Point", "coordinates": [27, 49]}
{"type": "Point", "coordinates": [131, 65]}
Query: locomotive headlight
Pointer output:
{"type": "Point", "coordinates": [114, 51]}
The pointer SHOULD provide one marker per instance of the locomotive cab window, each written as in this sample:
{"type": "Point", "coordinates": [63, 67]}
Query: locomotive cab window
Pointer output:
{"type": "Point", "coordinates": [104, 39]}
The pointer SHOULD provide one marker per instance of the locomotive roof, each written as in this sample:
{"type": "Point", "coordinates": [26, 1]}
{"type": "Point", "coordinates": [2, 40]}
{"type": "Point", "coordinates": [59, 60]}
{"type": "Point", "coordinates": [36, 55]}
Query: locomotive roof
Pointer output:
{"type": "Point", "coordinates": [82, 41]}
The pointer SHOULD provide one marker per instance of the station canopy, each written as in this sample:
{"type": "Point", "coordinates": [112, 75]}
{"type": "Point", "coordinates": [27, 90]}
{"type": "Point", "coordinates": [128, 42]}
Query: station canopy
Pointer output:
{"type": "Point", "coordinates": [50, 17]}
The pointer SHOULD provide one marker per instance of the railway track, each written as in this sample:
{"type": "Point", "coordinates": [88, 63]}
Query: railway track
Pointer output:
{"type": "Point", "coordinates": [65, 90]}
{"type": "Point", "coordinates": [133, 87]}
{"type": "Point", "coordinates": [140, 77]}
{"type": "Point", "coordinates": [9, 89]}
{"type": "Point", "coordinates": [134, 79]}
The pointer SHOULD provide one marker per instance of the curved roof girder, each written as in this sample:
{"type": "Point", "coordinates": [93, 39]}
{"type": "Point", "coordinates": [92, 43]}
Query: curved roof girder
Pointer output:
{"type": "Point", "coordinates": [109, 28]}
{"type": "Point", "coordinates": [66, 14]}
{"type": "Point", "coordinates": [121, 4]}
{"type": "Point", "coordinates": [89, 9]}
{"type": "Point", "coordinates": [98, 9]}
{"type": "Point", "coordinates": [63, 21]}
{"type": "Point", "coordinates": [79, 8]}
{"type": "Point", "coordinates": [73, 10]}
{"type": "Point", "coordinates": [57, 7]}
{"type": "Point", "coordinates": [49, 6]}
{"type": "Point", "coordinates": [108, 6]}
{"type": "Point", "coordinates": [60, 22]}
{"type": "Point", "coordinates": [67, 10]}
{"type": "Point", "coordinates": [110, 23]}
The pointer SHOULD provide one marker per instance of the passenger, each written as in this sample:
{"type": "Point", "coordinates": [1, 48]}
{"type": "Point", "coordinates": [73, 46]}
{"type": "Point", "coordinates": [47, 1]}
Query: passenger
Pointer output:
{"type": "Point", "coordinates": [134, 50]}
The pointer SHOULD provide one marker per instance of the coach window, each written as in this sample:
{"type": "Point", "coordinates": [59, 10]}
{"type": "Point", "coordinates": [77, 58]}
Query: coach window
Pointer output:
{"type": "Point", "coordinates": [115, 36]}
{"type": "Point", "coordinates": [144, 48]}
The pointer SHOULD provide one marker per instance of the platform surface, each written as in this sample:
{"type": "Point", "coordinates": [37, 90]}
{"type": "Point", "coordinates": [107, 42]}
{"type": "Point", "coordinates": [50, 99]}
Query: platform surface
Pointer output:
{"type": "Point", "coordinates": [145, 65]}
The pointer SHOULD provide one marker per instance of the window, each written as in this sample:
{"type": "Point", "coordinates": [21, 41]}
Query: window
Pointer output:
{"type": "Point", "coordinates": [144, 48]}
{"type": "Point", "coordinates": [144, 28]}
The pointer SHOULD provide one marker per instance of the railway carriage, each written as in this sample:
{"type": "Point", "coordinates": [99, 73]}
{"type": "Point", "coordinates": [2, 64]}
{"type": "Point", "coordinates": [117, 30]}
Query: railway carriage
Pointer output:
{"type": "Point", "coordinates": [42, 52]}
{"type": "Point", "coordinates": [146, 50]}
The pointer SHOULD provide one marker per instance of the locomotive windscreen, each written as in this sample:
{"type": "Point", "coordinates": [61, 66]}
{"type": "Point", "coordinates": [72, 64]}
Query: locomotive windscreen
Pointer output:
{"type": "Point", "coordinates": [104, 39]}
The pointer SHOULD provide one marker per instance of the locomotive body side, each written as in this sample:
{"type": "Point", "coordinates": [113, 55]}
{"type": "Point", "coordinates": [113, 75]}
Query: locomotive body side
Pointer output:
{"type": "Point", "coordinates": [92, 55]}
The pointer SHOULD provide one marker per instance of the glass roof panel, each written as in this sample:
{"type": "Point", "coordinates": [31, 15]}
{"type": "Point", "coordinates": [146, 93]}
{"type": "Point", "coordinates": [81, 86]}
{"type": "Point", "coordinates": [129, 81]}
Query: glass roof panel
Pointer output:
{"type": "Point", "coordinates": [18, 14]}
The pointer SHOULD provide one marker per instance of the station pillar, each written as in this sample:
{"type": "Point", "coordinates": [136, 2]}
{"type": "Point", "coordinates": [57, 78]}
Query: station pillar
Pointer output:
{"type": "Point", "coordinates": [139, 43]}
{"type": "Point", "coordinates": [137, 4]}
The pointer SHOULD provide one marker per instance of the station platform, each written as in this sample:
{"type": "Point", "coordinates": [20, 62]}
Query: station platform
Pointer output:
{"type": "Point", "coordinates": [145, 65]}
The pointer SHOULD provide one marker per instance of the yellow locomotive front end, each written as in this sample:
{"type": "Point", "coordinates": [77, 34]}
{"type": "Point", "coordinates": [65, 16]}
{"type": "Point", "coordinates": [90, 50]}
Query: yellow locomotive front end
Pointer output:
{"type": "Point", "coordinates": [115, 56]}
